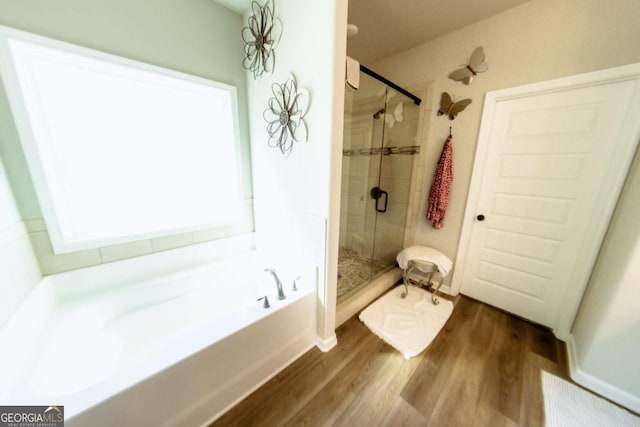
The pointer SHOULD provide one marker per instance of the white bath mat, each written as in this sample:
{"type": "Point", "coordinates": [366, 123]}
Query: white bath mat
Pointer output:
{"type": "Point", "coordinates": [407, 324]}
{"type": "Point", "coordinates": [566, 404]}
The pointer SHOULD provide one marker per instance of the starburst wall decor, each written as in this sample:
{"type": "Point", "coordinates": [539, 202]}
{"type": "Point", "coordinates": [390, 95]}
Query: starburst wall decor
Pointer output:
{"type": "Point", "coordinates": [261, 37]}
{"type": "Point", "coordinates": [285, 115]}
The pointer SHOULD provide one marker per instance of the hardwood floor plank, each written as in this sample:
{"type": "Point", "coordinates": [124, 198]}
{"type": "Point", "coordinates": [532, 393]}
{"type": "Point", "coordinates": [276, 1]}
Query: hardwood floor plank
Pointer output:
{"type": "Point", "coordinates": [532, 406]}
{"type": "Point", "coordinates": [278, 400]}
{"type": "Point", "coordinates": [465, 380]}
{"type": "Point", "coordinates": [403, 414]}
{"type": "Point", "coordinates": [353, 380]}
{"type": "Point", "coordinates": [502, 386]}
{"type": "Point", "coordinates": [325, 413]}
{"type": "Point", "coordinates": [542, 342]}
{"type": "Point", "coordinates": [489, 416]}
{"type": "Point", "coordinates": [482, 369]}
{"type": "Point", "coordinates": [562, 360]}
{"type": "Point", "coordinates": [425, 386]}
{"type": "Point", "coordinates": [374, 403]}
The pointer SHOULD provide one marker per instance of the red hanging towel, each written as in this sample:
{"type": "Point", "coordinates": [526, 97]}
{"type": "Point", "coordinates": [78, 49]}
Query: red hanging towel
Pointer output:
{"type": "Point", "coordinates": [439, 195]}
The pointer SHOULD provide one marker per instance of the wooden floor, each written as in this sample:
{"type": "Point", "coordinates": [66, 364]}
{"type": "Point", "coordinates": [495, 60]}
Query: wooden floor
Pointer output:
{"type": "Point", "coordinates": [483, 369]}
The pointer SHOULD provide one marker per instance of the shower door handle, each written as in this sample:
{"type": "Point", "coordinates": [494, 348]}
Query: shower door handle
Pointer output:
{"type": "Point", "coordinates": [386, 199]}
{"type": "Point", "coordinates": [377, 193]}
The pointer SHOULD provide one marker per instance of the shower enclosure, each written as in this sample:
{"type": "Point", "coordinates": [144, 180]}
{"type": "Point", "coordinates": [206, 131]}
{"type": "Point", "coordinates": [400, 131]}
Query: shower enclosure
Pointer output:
{"type": "Point", "coordinates": [380, 127]}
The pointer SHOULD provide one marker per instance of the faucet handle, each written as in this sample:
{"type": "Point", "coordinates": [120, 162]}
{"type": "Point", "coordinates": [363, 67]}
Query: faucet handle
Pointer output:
{"type": "Point", "coordinates": [266, 301]}
{"type": "Point", "coordinates": [295, 283]}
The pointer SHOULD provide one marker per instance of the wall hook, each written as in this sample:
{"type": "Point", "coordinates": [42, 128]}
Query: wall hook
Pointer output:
{"type": "Point", "coordinates": [449, 131]}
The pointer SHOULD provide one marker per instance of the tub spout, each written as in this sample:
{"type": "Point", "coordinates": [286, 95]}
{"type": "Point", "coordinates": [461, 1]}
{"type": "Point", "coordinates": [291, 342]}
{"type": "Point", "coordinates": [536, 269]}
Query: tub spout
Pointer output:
{"type": "Point", "coordinates": [278, 282]}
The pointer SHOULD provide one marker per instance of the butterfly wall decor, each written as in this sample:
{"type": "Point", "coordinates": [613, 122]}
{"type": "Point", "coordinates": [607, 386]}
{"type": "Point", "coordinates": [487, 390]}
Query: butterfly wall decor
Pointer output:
{"type": "Point", "coordinates": [391, 119]}
{"type": "Point", "coordinates": [476, 65]}
{"type": "Point", "coordinates": [451, 108]}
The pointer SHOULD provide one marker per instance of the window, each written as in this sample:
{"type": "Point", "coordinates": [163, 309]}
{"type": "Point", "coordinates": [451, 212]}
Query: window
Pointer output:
{"type": "Point", "coordinates": [120, 150]}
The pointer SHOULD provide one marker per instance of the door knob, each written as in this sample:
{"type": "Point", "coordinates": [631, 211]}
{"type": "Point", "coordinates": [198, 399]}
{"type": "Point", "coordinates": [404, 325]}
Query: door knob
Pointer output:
{"type": "Point", "coordinates": [480, 217]}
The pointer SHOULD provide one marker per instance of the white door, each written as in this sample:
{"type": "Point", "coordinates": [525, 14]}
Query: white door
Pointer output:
{"type": "Point", "coordinates": [549, 168]}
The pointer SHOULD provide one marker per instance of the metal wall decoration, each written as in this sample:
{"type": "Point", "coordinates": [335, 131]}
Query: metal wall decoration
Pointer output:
{"type": "Point", "coordinates": [476, 65]}
{"type": "Point", "coordinates": [451, 108]}
{"type": "Point", "coordinates": [397, 116]}
{"type": "Point", "coordinates": [285, 115]}
{"type": "Point", "coordinates": [261, 37]}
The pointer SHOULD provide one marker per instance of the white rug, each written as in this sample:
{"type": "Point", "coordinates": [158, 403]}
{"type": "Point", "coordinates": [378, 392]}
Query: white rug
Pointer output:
{"type": "Point", "coordinates": [407, 324]}
{"type": "Point", "coordinates": [566, 404]}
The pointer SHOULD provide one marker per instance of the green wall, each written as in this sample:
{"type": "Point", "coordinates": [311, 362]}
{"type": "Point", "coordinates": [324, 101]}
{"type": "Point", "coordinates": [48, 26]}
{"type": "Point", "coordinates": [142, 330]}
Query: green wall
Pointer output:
{"type": "Point", "coordinates": [197, 37]}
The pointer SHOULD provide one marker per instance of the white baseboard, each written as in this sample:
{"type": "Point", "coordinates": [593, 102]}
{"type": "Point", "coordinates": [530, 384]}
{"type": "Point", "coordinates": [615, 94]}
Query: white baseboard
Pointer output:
{"type": "Point", "coordinates": [562, 335]}
{"type": "Point", "coordinates": [595, 384]}
{"type": "Point", "coordinates": [326, 344]}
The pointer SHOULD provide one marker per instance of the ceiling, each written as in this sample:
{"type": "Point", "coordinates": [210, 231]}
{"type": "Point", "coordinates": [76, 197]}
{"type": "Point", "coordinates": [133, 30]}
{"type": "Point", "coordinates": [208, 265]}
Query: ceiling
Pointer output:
{"type": "Point", "coordinates": [390, 26]}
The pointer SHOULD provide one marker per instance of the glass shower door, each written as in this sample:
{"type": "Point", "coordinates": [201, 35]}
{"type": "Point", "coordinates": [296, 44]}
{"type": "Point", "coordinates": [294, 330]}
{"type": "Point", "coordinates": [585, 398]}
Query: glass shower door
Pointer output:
{"type": "Point", "coordinates": [399, 149]}
{"type": "Point", "coordinates": [363, 136]}
{"type": "Point", "coordinates": [379, 138]}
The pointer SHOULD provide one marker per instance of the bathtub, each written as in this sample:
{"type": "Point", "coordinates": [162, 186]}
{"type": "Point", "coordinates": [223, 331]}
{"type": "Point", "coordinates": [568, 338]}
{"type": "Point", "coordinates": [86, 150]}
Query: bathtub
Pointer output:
{"type": "Point", "coordinates": [132, 343]}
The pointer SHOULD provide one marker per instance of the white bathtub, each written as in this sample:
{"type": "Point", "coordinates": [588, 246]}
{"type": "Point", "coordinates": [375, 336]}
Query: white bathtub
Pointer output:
{"type": "Point", "coordinates": [172, 348]}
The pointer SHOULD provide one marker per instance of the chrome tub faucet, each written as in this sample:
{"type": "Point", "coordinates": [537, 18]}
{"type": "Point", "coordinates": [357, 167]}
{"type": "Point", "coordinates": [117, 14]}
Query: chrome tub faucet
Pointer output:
{"type": "Point", "coordinates": [278, 282]}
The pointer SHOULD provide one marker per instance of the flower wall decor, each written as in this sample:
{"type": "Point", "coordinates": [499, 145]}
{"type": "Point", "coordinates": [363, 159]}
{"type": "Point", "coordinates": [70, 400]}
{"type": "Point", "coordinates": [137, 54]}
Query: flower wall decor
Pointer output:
{"type": "Point", "coordinates": [260, 39]}
{"type": "Point", "coordinates": [285, 115]}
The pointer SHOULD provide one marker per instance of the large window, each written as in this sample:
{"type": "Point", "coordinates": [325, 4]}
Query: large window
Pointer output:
{"type": "Point", "coordinates": [119, 150]}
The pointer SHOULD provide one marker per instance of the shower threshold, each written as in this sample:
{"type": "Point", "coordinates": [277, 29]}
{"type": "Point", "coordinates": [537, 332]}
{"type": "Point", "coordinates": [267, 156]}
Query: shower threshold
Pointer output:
{"type": "Point", "coordinates": [361, 296]}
